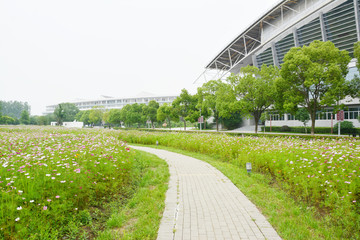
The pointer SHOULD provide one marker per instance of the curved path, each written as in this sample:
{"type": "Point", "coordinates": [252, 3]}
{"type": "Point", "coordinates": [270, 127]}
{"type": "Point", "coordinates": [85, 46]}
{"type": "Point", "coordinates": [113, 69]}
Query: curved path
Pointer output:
{"type": "Point", "coordinates": [202, 203]}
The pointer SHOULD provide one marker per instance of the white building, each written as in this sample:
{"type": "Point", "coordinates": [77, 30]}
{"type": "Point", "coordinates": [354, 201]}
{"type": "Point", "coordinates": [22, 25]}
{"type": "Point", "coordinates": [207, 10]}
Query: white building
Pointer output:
{"type": "Point", "coordinates": [293, 24]}
{"type": "Point", "coordinates": [115, 103]}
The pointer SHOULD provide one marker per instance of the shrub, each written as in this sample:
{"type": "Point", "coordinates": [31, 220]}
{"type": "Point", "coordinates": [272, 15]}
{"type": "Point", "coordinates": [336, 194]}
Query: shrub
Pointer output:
{"type": "Point", "coordinates": [285, 128]}
{"type": "Point", "coordinates": [345, 127]}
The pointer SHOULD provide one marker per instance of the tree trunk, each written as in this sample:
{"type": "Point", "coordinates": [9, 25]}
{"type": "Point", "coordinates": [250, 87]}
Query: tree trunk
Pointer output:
{"type": "Point", "coordinates": [184, 125]}
{"type": "Point", "coordinates": [256, 119]}
{"type": "Point", "coordinates": [256, 124]}
{"type": "Point", "coordinates": [217, 124]}
{"type": "Point", "coordinates": [313, 123]}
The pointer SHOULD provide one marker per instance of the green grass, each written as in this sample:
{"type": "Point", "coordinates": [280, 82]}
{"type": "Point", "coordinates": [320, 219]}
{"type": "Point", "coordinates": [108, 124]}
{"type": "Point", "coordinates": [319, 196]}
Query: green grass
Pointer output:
{"type": "Point", "coordinates": [291, 219]}
{"type": "Point", "coordinates": [58, 183]}
{"type": "Point", "coordinates": [140, 217]}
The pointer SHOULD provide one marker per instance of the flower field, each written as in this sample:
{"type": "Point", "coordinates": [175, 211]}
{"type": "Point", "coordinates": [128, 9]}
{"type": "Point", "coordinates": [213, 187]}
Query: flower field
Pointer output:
{"type": "Point", "coordinates": [324, 173]}
{"type": "Point", "coordinates": [51, 178]}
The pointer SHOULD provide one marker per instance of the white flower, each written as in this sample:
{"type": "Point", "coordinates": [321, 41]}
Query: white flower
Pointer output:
{"type": "Point", "coordinates": [48, 175]}
{"type": "Point", "coordinates": [31, 201]}
{"type": "Point", "coordinates": [19, 208]}
{"type": "Point", "coordinates": [17, 219]}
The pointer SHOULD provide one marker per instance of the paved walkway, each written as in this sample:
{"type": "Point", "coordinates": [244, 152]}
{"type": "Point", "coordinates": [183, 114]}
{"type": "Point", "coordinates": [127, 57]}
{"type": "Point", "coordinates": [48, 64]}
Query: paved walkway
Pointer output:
{"type": "Point", "coordinates": [201, 203]}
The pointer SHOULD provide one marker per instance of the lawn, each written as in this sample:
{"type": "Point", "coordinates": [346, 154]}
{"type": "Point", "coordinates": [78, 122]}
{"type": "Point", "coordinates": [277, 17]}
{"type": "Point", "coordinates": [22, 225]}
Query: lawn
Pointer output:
{"type": "Point", "coordinates": [59, 183]}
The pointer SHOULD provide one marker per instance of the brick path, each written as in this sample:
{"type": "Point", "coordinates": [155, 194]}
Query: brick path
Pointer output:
{"type": "Point", "coordinates": [201, 203]}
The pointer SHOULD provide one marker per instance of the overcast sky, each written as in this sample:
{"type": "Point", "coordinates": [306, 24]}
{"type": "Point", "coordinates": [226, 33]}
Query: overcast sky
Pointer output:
{"type": "Point", "coordinates": [57, 51]}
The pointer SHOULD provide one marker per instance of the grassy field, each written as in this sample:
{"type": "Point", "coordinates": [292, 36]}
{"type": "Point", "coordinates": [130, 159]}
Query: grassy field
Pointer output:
{"type": "Point", "coordinates": [318, 179]}
{"type": "Point", "coordinates": [77, 184]}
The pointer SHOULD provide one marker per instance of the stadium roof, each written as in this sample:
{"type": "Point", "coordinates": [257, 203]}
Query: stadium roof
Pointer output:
{"type": "Point", "coordinates": [250, 39]}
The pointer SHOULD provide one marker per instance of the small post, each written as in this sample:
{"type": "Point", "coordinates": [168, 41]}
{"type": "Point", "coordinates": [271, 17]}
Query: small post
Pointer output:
{"type": "Point", "coordinates": [157, 143]}
{"type": "Point", "coordinates": [248, 167]}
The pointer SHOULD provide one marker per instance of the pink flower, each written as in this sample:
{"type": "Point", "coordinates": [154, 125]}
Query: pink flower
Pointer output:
{"type": "Point", "coordinates": [49, 200]}
{"type": "Point", "coordinates": [77, 170]}
{"type": "Point", "coordinates": [45, 207]}
{"type": "Point", "coordinates": [57, 196]}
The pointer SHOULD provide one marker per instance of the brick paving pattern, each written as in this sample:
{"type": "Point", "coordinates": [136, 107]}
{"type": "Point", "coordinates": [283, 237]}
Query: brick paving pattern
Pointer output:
{"type": "Point", "coordinates": [202, 203]}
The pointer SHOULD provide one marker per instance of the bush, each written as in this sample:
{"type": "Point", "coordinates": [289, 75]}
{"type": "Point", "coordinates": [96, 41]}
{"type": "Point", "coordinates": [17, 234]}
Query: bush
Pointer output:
{"type": "Point", "coordinates": [285, 128]}
{"type": "Point", "coordinates": [345, 127]}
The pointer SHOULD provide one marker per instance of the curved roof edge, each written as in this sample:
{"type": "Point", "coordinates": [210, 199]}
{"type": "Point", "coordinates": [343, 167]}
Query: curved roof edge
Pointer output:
{"type": "Point", "coordinates": [251, 38]}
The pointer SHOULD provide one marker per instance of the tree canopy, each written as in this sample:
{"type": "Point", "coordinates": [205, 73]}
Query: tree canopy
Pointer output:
{"type": "Point", "coordinates": [255, 90]}
{"type": "Point", "coordinates": [207, 99]}
{"type": "Point", "coordinates": [65, 112]}
{"type": "Point", "coordinates": [314, 77]}
{"type": "Point", "coordinates": [184, 107]}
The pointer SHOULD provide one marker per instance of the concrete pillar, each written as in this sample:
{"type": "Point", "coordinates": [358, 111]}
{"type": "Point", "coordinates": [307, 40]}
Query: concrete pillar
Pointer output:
{"type": "Point", "coordinates": [357, 20]}
{"type": "Point", "coordinates": [322, 26]}
{"type": "Point", "coordinates": [275, 58]}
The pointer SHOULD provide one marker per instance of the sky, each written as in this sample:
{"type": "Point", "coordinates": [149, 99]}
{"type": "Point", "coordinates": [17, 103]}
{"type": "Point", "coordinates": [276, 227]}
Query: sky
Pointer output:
{"type": "Point", "coordinates": [54, 51]}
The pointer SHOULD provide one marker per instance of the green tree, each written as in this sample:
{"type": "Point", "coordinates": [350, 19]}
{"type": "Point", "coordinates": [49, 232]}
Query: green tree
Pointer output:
{"type": "Point", "coordinates": [255, 90]}
{"type": "Point", "coordinates": [184, 107]}
{"type": "Point", "coordinates": [208, 94]}
{"type": "Point", "coordinates": [314, 77]}
{"type": "Point", "coordinates": [84, 117]}
{"type": "Point", "coordinates": [105, 118]}
{"type": "Point", "coordinates": [95, 115]}
{"type": "Point", "coordinates": [165, 113]}
{"type": "Point", "coordinates": [25, 117]}
{"type": "Point", "coordinates": [150, 111]}
{"type": "Point", "coordinates": [59, 114]}
{"type": "Point", "coordinates": [303, 116]}
{"type": "Point", "coordinates": [65, 112]}
{"type": "Point", "coordinates": [14, 108]}
{"type": "Point", "coordinates": [115, 116]}
{"type": "Point", "coordinates": [8, 120]}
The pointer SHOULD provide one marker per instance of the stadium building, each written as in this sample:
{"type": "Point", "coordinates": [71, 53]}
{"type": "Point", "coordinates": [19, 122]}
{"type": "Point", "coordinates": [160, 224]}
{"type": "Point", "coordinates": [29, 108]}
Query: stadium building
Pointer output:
{"type": "Point", "coordinates": [293, 23]}
{"type": "Point", "coordinates": [115, 103]}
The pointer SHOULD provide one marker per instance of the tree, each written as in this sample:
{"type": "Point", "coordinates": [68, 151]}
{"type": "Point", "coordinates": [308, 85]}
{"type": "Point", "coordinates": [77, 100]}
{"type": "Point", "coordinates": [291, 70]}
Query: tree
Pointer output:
{"type": "Point", "coordinates": [255, 90]}
{"type": "Point", "coordinates": [150, 111]}
{"type": "Point", "coordinates": [65, 112]}
{"type": "Point", "coordinates": [105, 117]}
{"type": "Point", "coordinates": [8, 120]}
{"type": "Point", "coordinates": [303, 116]}
{"type": "Point", "coordinates": [208, 94]}
{"type": "Point", "coordinates": [25, 117]}
{"type": "Point", "coordinates": [314, 77]}
{"type": "Point", "coordinates": [133, 114]}
{"type": "Point", "coordinates": [184, 107]}
{"type": "Point", "coordinates": [59, 114]}
{"type": "Point", "coordinates": [14, 108]}
{"type": "Point", "coordinates": [115, 116]}
{"type": "Point", "coordinates": [83, 116]}
{"type": "Point", "coordinates": [165, 113]}
{"type": "Point", "coordinates": [95, 115]}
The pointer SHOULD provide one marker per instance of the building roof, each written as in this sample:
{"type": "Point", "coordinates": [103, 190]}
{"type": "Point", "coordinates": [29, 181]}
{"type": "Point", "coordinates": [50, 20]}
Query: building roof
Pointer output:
{"type": "Point", "coordinates": [250, 39]}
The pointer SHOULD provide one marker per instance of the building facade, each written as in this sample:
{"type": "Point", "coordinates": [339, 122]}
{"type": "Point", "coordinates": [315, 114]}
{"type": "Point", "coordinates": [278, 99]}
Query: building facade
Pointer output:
{"type": "Point", "coordinates": [294, 23]}
{"type": "Point", "coordinates": [114, 103]}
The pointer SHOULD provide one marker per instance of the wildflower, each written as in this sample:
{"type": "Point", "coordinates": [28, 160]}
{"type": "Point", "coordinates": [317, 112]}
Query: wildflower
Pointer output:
{"type": "Point", "coordinates": [17, 219]}
{"type": "Point", "coordinates": [57, 196]}
{"type": "Point", "coordinates": [49, 200]}
{"type": "Point", "coordinates": [77, 170]}
{"type": "Point", "coordinates": [44, 208]}
{"type": "Point", "coordinates": [19, 208]}
{"type": "Point", "coordinates": [48, 175]}
{"type": "Point", "coordinates": [31, 201]}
